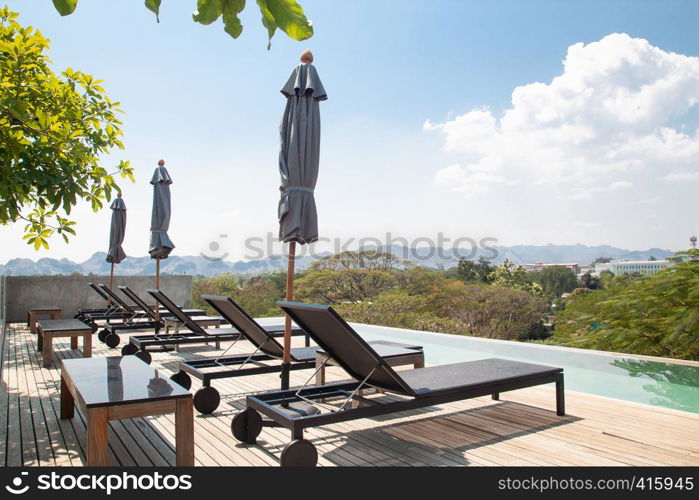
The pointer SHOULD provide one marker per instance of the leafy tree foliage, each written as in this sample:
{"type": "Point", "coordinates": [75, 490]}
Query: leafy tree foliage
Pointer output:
{"type": "Point", "coordinates": [590, 282]}
{"type": "Point", "coordinates": [469, 270]}
{"type": "Point", "coordinates": [511, 275]}
{"type": "Point", "coordinates": [380, 289]}
{"type": "Point", "coordinates": [350, 277]}
{"type": "Point", "coordinates": [370, 260]}
{"type": "Point", "coordinates": [344, 285]}
{"type": "Point", "coordinates": [606, 278]}
{"type": "Point", "coordinates": [654, 315]}
{"type": "Point", "coordinates": [556, 280]}
{"type": "Point", "coordinates": [286, 15]}
{"type": "Point", "coordinates": [256, 294]}
{"type": "Point", "coordinates": [53, 129]}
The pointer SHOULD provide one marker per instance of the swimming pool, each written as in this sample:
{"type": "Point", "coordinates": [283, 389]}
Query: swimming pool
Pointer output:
{"type": "Point", "coordinates": [619, 376]}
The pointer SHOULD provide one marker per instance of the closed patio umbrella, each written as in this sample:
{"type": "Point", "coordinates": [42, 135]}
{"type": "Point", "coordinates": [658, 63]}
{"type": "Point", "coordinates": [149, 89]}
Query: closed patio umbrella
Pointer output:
{"type": "Point", "coordinates": [298, 166]}
{"type": "Point", "coordinates": [116, 235]}
{"type": "Point", "coordinates": [160, 243]}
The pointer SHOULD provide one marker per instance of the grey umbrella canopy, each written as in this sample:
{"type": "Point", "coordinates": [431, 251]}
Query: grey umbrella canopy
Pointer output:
{"type": "Point", "coordinates": [299, 155]}
{"type": "Point", "coordinates": [160, 243]}
{"type": "Point", "coordinates": [298, 166]}
{"type": "Point", "coordinates": [116, 233]}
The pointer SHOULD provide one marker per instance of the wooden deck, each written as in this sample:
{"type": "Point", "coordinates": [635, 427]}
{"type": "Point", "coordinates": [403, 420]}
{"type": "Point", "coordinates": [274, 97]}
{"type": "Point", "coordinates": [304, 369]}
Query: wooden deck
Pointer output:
{"type": "Point", "coordinates": [520, 429]}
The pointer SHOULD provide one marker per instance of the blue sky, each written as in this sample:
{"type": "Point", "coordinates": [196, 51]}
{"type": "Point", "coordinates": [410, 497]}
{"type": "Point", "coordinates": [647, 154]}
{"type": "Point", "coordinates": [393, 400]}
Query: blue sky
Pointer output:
{"type": "Point", "coordinates": [413, 137]}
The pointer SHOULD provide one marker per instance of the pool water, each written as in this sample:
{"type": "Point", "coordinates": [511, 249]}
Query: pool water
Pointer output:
{"type": "Point", "coordinates": [612, 375]}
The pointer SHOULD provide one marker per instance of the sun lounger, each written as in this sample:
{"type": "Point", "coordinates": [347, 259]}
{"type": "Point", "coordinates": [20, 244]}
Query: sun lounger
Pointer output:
{"type": "Point", "coordinates": [309, 406]}
{"type": "Point", "coordinates": [264, 359]}
{"type": "Point", "coordinates": [144, 317]}
{"type": "Point", "coordinates": [120, 311]}
{"type": "Point", "coordinates": [139, 344]}
{"type": "Point", "coordinates": [109, 306]}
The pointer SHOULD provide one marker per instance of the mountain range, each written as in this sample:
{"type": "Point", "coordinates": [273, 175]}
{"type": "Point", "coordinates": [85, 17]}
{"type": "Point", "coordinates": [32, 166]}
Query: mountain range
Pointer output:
{"type": "Point", "coordinates": [430, 257]}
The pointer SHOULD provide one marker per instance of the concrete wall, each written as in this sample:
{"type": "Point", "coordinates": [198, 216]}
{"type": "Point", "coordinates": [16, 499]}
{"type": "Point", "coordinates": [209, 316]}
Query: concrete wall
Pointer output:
{"type": "Point", "coordinates": [72, 293]}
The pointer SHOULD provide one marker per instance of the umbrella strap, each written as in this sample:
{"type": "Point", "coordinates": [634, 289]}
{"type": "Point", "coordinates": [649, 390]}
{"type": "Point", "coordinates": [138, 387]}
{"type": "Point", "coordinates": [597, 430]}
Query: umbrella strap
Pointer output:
{"type": "Point", "coordinates": [298, 188]}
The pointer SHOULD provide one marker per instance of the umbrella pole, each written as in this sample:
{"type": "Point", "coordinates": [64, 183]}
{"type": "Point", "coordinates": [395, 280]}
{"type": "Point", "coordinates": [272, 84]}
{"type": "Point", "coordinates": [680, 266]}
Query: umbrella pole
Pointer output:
{"type": "Point", "coordinates": [157, 287]}
{"type": "Point", "coordinates": [286, 362]}
{"type": "Point", "coordinates": [111, 281]}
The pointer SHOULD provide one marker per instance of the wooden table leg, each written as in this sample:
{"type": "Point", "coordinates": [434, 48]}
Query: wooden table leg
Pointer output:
{"type": "Point", "coordinates": [97, 437]}
{"type": "Point", "coordinates": [67, 401]}
{"type": "Point", "coordinates": [320, 375]}
{"type": "Point", "coordinates": [31, 321]}
{"type": "Point", "coordinates": [47, 350]}
{"type": "Point", "coordinates": [74, 342]}
{"type": "Point", "coordinates": [184, 433]}
{"type": "Point", "coordinates": [40, 340]}
{"type": "Point", "coordinates": [87, 345]}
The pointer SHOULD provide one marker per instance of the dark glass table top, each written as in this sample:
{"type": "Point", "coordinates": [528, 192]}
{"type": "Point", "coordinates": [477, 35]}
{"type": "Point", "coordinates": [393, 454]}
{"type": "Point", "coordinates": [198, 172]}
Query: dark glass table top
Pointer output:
{"type": "Point", "coordinates": [58, 325]}
{"type": "Point", "coordinates": [120, 380]}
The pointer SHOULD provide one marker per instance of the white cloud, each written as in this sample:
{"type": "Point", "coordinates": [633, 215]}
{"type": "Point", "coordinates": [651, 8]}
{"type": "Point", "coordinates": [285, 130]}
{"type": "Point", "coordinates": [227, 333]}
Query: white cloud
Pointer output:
{"type": "Point", "coordinates": [583, 192]}
{"type": "Point", "coordinates": [648, 201]}
{"type": "Point", "coordinates": [680, 175]}
{"type": "Point", "coordinates": [605, 119]}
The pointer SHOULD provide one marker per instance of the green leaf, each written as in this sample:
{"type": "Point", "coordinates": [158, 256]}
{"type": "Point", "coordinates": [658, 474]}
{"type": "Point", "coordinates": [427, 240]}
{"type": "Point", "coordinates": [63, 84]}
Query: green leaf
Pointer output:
{"type": "Point", "coordinates": [65, 7]}
{"type": "Point", "coordinates": [154, 6]}
{"type": "Point", "coordinates": [231, 21]}
{"type": "Point", "coordinates": [208, 11]}
{"type": "Point", "coordinates": [267, 21]}
{"type": "Point", "coordinates": [290, 18]}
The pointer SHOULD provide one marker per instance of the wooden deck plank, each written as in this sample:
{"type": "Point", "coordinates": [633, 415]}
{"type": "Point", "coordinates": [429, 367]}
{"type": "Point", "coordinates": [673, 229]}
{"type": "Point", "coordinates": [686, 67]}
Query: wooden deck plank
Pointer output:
{"type": "Point", "coordinates": [44, 446]}
{"type": "Point", "coordinates": [58, 435]}
{"type": "Point", "coordinates": [521, 429]}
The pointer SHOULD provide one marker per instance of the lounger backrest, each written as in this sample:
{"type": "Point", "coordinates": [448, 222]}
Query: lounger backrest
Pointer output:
{"type": "Point", "coordinates": [116, 298]}
{"type": "Point", "coordinates": [137, 300]}
{"type": "Point", "coordinates": [345, 346]}
{"type": "Point", "coordinates": [178, 313]}
{"type": "Point", "coordinates": [245, 324]}
{"type": "Point", "coordinates": [99, 292]}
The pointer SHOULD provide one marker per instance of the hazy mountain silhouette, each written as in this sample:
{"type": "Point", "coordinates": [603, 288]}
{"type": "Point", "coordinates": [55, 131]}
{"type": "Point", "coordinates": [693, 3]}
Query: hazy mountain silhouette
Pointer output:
{"type": "Point", "coordinates": [430, 257]}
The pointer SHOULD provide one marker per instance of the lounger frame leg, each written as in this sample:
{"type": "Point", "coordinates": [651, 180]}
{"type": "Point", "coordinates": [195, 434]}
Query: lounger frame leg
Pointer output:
{"type": "Point", "coordinates": [560, 397]}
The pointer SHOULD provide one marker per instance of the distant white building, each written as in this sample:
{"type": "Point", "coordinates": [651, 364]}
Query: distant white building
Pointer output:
{"type": "Point", "coordinates": [643, 267]}
{"type": "Point", "coordinates": [539, 266]}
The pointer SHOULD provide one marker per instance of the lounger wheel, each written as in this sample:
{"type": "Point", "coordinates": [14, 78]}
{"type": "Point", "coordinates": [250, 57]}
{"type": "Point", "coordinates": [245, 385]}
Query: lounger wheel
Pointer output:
{"type": "Point", "coordinates": [129, 349]}
{"type": "Point", "coordinates": [183, 379]}
{"type": "Point", "coordinates": [144, 356]}
{"type": "Point", "coordinates": [112, 340]}
{"type": "Point", "coordinates": [102, 335]}
{"type": "Point", "coordinates": [299, 453]}
{"type": "Point", "coordinates": [206, 400]}
{"type": "Point", "coordinates": [246, 426]}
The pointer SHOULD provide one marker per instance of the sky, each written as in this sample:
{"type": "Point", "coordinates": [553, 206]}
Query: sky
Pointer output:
{"type": "Point", "coordinates": [531, 122]}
